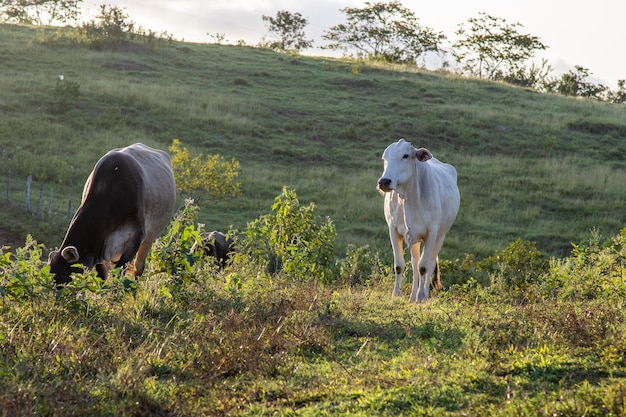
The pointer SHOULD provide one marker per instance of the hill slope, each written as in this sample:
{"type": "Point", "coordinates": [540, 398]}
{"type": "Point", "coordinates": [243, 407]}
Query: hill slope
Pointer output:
{"type": "Point", "coordinates": [539, 167]}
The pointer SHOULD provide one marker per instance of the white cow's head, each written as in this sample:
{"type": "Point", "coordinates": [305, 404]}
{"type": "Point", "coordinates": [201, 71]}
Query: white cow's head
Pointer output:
{"type": "Point", "coordinates": [399, 160]}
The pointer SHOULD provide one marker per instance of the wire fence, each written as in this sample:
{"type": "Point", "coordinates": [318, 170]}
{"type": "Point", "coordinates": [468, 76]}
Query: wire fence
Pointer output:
{"type": "Point", "coordinates": [36, 200]}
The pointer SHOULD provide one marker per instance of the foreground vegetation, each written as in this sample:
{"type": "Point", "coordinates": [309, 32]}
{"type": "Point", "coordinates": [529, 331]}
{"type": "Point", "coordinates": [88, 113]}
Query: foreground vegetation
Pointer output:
{"type": "Point", "coordinates": [539, 339]}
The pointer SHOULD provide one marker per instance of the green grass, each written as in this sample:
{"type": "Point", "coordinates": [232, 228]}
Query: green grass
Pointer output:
{"type": "Point", "coordinates": [241, 342]}
{"type": "Point", "coordinates": [314, 125]}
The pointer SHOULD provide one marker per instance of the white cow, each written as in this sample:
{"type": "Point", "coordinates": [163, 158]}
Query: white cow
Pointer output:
{"type": "Point", "coordinates": [421, 203]}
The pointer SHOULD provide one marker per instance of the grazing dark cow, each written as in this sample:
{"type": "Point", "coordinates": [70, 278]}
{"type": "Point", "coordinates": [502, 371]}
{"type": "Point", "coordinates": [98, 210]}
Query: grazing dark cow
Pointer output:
{"type": "Point", "coordinates": [215, 244]}
{"type": "Point", "coordinates": [421, 203]}
{"type": "Point", "coordinates": [128, 200]}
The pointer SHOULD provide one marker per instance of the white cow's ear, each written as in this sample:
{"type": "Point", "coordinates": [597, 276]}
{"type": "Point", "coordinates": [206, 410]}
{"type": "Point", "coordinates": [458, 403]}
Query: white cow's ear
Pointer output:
{"type": "Point", "coordinates": [423, 154]}
{"type": "Point", "coordinates": [70, 254]}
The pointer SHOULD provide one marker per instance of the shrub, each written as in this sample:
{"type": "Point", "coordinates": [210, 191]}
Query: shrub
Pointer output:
{"type": "Point", "coordinates": [64, 96]}
{"type": "Point", "coordinates": [21, 277]}
{"type": "Point", "coordinates": [360, 266]}
{"type": "Point", "coordinates": [595, 270]}
{"type": "Point", "coordinates": [292, 239]}
{"type": "Point", "coordinates": [194, 176]}
{"type": "Point", "coordinates": [459, 271]}
{"type": "Point", "coordinates": [172, 253]}
{"type": "Point", "coordinates": [517, 265]}
{"type": "Point", "coordinates": [110, 26]}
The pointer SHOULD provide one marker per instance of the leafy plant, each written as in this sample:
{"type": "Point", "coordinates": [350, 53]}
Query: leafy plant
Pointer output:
{"type": "Point", "coordinates": [292, 239]}
{"type": "Point", "coordinates": [22, 278]}
{"type": "Point", "coordinates": [213, 177]}
{"type": "Point", "coordinates": [516, 265]}
{"type": "Point", "coordinates": [574, 83]}
{"type": "Point", "coordinates": [110, 26]}
{"type": "Point", "coordinates": [360, 266]}
{"type": "Point", "coordinates": [64, 96]}
{"type": "Point", "coordinates": [172, 253]}
{"type": "Point", "coordinates": [595, 270]}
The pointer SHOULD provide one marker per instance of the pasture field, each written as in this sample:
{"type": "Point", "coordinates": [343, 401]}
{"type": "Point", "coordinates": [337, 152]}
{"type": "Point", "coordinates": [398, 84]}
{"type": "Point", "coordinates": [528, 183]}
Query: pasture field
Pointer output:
{"type": "Point", "coordinates": [520, 329]}
{"type": "Point", "coordinates": [543, 168]}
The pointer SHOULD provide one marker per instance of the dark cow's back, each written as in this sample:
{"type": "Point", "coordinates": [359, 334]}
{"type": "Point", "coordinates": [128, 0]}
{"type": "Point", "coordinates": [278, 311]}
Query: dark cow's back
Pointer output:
{"type": "Point", "coordinates": [127, 201]}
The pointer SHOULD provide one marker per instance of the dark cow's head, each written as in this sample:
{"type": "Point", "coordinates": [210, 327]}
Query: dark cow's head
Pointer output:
{"type": "Point", "coordinates": [61, 264]}
{"type": "Point", "coordinates": [399, 160]}
{"type": "Point", "coordinates": [217, 245]}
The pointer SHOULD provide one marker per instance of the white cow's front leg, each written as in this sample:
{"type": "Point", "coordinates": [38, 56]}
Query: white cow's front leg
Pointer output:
{"type": "Point", "coordinates": [427, 266]}
{"type": "Point", "coordinates": [424, 288]}
{"type": "Point", "coordinates": [398, 260]}
{"type": "Point", "coordinates": [415, 259]}
{"type": "Point", "coordinates": [397, 288]}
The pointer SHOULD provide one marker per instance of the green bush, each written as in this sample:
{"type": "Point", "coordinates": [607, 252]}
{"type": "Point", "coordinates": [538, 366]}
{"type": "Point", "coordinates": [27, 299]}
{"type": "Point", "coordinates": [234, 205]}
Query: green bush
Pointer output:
{"type": "Point", "coordinates": [459, 271]}
{"type": "Point", "coordinates": [519, 264]}
{"type": "Point", "coordinates": [172, 253]}
{"type": "Point", "coordinates": [594, 270]}
{"type": "Point", "coordinates": [360, 266]}
{"type": "Point", "coordinates": [21, 276]}
{"type": "Point", "coordinates": [291, 240]}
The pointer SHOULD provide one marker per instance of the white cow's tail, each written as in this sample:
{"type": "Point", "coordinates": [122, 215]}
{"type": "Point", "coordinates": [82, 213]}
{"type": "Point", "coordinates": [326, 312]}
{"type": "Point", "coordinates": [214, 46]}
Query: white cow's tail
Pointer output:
{"type": "Point", "coordinates": [435, 280]}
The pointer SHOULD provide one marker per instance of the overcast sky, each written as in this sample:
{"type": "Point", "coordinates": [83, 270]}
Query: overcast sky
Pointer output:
{"type": "Point", "coordinates": [589, 34]}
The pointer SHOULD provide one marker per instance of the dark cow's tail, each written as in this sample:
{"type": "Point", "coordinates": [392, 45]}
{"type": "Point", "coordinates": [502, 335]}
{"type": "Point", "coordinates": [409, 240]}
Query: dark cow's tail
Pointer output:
{"type": "Point", "coordinates": [435, 280]}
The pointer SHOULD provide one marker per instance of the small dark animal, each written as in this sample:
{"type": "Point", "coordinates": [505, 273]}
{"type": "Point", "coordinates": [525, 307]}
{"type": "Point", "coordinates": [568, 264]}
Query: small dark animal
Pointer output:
{"type": "Point", "coordinates": [127, 201]}
{"type": "Point", "coordinates": [217, 245]}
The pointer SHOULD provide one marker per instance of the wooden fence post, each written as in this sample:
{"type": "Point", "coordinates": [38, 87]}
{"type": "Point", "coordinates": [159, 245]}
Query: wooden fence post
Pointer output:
{"type": "Point", "coordinates": [9, 185]}
{"type": "Point", "coordinates": [28, 182]}
{"type": "Point", "coordinates": [39, 202]}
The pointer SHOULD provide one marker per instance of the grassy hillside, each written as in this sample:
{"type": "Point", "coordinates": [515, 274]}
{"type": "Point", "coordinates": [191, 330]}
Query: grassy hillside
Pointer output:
{"type": "Point", "coordinates": [538, 167]}
{"type": "Point", "coordinates": [515, 335]}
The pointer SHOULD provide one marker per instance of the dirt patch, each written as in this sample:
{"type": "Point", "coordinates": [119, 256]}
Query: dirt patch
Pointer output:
{"type": "Point", "coordinates": [11, 239]}
{"type": "Point", "coordinates": [353, 83]}
{"type": "Point", "coordinates": [128, 66]}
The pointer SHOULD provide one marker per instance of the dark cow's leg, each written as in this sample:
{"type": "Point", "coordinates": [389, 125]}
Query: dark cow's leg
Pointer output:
{"type": "Point", "coordinates": [126, 257]}
{"type": "Point", "coordinates": [103, 269]}
{"type": "Point", "coordinates": [140, 260]}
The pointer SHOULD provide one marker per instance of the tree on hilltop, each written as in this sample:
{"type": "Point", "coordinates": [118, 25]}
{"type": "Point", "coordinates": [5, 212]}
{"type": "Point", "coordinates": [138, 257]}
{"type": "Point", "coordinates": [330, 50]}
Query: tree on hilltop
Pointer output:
{"type": "Point", "coordinates": [289, 29]}
{"type": "Point", "coordinates": [384, 30]}
{"type": "Point", "coordinates": [39, 12]}
{"type": "Point", "coordinates": [492, 48]}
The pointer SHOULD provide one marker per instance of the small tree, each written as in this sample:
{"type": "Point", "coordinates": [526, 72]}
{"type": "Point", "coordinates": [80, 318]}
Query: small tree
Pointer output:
{"type": "Point", "coordinates": [39, 12]}
{"type": "Point", "coordinates": [197, 177]}
{"type": "Point", "coordinates": [112, 24]}
{"type": "Point", "coordinates": [535, 76]}
{"type": "Point", "coordinates": [490, 47]}
{"type": "Point", "coordinates": [386, 31]}
{"type": "Point", "coordinates": [289, 29]}
{"type": "Point", "coordinates": [574, 84]}
{"type": "Point", "coordinates": [619, 95]}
